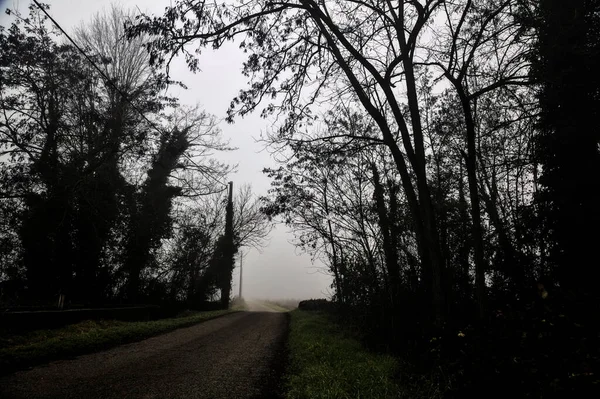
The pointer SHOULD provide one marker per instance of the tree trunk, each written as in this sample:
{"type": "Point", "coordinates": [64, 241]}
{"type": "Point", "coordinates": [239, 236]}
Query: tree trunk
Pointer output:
{"type": "Point", "coordinates": [335, 263]}
{"type": "Point", "coordinates": [388, 249]}
{"type": "Point", "coordinates": [471, 163]}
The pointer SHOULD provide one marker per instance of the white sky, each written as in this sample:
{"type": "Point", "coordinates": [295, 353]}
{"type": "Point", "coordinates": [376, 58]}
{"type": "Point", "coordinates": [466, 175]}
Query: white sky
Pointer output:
{"type": "Point", "coordinates": [277, 272]}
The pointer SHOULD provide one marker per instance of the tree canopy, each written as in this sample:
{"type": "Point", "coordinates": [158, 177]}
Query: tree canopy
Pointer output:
{"type": "Point", "coordinates": [435, 154]}
{"type": "Point", "coordinates": [100, 169]}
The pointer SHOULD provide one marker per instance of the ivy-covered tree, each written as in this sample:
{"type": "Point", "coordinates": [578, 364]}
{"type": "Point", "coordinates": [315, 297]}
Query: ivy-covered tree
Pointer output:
{"type": "Point", "coordinates": [91, 161]}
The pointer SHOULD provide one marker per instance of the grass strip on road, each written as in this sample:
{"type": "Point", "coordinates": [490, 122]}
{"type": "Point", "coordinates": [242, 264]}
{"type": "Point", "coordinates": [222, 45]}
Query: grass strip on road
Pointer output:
{"type": "Point", "coordinates": [35, 347]}
{"type": "Point", "coordinates": [326, 362]}
{"type": "Point", "coordinates": [274, 306]}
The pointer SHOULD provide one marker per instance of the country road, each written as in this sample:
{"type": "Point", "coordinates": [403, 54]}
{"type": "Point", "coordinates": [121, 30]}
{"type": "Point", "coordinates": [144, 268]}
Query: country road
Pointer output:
{"type": "Point", "coordinates": [234, 356]}
{"type": "Point", "coordinates": [258, 306]}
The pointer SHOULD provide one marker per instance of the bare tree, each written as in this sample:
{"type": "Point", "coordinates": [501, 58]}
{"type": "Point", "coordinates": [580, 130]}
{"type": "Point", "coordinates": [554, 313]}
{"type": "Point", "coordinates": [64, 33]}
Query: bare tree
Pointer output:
{"type": "Point", "coordinates": [481, 50]}
{"type": "Point", "coordinates": [251, 227]}
{"type": "Point", "coordinates": [198, 173]}
{"type": "Point", "coordinates": [362, 57]}
{"type": "Point", "coordinates": [123, 61]}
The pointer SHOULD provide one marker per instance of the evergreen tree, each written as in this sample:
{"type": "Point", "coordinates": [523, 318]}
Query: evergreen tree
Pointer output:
{"type": "Point", "coordinates": [567, 67]}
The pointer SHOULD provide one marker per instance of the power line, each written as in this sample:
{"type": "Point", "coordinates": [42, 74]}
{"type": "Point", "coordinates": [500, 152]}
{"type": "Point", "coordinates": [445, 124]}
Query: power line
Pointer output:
{"type": "Point", "coordinates": [110, 81]}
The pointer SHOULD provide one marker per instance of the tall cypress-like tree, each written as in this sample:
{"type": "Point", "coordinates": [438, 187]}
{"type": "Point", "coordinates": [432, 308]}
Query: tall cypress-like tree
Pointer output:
{"type": "Point", "coordinates": [228, 252]}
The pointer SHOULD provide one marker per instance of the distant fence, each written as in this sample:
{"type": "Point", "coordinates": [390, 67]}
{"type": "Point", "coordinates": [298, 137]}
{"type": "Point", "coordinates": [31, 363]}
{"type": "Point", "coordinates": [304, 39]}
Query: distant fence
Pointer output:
{"type": "Point", "coordinates": [36, 319]}
{"type": "Point", "coordinates": [31, 318]}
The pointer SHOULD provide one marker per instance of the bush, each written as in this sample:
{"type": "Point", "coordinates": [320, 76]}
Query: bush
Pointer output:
{"type": "Point", "coordinates": [316, 304]}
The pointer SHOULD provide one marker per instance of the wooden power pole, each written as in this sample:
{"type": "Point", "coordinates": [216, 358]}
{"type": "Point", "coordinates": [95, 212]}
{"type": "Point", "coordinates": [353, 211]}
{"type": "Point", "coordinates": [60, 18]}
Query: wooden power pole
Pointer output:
{"type": "Point", "coordinates": [241, 273]}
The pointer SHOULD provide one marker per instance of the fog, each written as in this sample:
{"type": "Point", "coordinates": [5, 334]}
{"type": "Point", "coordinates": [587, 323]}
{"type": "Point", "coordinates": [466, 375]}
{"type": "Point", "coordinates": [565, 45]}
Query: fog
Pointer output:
{"type": "Point", "coordinates": [278, 270]}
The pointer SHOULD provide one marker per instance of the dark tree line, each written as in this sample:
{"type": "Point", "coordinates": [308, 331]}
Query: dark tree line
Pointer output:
{"type": "Point", "coordinates": [568, 139]}
{"type": "Point", "coordinates": [441, 157]}
{"type": "Point", "coordinates": [109, 191]}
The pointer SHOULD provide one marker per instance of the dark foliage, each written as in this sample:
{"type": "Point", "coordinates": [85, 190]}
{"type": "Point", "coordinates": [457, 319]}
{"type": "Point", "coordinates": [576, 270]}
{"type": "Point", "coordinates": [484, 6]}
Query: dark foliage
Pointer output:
{"type": "Point", "coordinates": [100, 174]}
{"type": "Point", "coordinates": [315, 304]}
{"type": "Point", "coordinates": [440, 158]}
{"type": "Point", "coordinates": [568, 144]}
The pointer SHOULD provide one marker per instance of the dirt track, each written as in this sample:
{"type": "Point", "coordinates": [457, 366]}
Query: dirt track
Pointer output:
{"type": "Point", "coordinates": [235, 356]}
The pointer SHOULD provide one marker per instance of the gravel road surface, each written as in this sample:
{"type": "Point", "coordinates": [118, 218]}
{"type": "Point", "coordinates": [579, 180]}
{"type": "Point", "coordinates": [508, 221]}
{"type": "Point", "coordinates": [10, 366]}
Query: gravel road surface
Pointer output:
{"type": "Point", "coordinates": [234, 356]}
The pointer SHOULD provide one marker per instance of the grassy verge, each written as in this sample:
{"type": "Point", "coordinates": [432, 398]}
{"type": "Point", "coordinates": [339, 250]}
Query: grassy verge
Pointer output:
{"type": "Point", "coordinates": [326, 362]}
{"type": "Point", "coordinates": [35, 347]}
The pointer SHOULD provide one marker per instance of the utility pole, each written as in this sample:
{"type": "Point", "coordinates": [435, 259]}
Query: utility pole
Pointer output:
{"type": "Point", "coordinates": [241, 272]}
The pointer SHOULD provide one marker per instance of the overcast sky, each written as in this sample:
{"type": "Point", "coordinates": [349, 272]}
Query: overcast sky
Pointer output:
{"type": "Point", "coordinates": [279, 271]}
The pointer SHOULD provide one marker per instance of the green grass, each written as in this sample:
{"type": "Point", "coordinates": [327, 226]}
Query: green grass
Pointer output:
{"type": "Point", "coordinates": [35, 347]}
{"type": "Point", "coordinates": [327, 362]}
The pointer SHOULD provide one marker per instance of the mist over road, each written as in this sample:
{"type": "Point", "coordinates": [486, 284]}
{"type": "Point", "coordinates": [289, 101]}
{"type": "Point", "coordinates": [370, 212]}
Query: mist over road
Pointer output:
{"type": "Point", "coordinates": [234, 356]}
{"type": "Point", "coordinates": [255, 305]}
